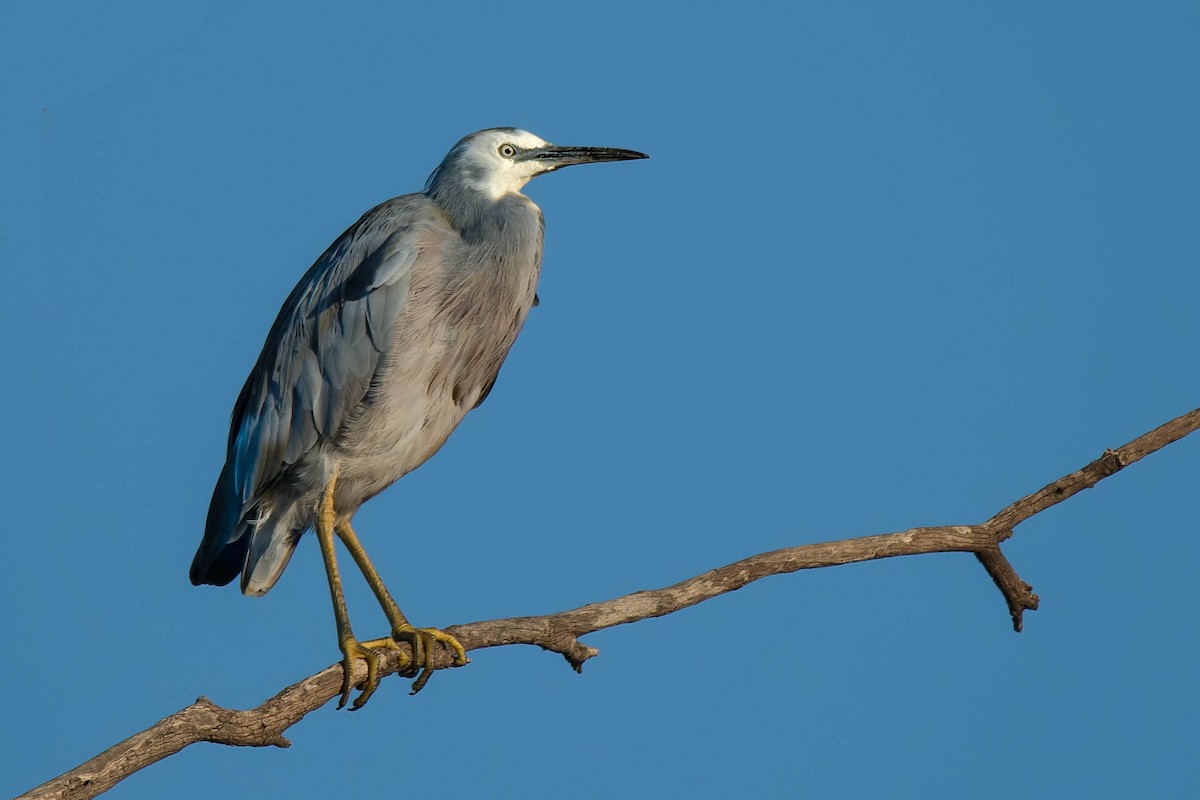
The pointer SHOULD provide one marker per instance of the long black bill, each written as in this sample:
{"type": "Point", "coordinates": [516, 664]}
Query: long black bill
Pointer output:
{"type": "Point", "coordinates": [555, 157]}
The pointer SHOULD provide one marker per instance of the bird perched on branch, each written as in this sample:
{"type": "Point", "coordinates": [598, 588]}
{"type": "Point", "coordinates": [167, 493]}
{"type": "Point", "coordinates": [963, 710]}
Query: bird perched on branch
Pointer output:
{"type": "Point", "coordinates": [391, 337]}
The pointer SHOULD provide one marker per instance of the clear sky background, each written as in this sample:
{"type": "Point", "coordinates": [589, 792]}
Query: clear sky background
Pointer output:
{"type": "Point", "coordinates": [890, 264]}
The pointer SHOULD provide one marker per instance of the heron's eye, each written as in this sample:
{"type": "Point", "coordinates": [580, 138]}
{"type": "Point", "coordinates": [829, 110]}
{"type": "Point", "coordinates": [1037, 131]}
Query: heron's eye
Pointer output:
{"type": "Point", "coordinates": [507, 150]}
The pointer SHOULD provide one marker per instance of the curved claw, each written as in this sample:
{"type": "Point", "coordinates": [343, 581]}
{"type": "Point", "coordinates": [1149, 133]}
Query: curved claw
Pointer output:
{"type": "Point", "coordinates": [352, 649]}
{"type": "Point", "coordinates": [422, 641]}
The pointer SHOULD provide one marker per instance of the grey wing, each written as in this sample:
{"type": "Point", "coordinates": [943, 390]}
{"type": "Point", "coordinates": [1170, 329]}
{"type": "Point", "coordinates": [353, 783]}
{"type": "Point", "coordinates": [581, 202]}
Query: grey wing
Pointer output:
{"type": "Point", "coordinates": [316, 366]}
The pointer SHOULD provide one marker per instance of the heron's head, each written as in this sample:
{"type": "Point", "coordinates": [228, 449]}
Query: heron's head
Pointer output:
{"type": "Point", "coordinates": [500, 161]}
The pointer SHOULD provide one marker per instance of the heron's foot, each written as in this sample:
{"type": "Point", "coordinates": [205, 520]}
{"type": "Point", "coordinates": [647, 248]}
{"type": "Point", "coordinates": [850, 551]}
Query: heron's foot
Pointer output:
{"type": "Point", "coordinates": [352, 649]}
{"type": "Point", "coordinates": [423, 642]}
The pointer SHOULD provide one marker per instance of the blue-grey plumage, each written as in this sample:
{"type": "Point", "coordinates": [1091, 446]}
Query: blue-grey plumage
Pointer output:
{"type": "Point", "coordinates": [395, 333]}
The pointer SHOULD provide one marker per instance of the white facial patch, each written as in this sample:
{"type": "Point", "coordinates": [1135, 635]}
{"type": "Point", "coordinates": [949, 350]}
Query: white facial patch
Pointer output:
{"type": "Point", "coordinates": [501, 175]}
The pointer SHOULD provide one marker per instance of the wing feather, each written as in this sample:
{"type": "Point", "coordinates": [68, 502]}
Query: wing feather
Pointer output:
{"type": "Point", "coordinates": [324, 349]}
{"type": "Point", "coordinates": [318, 361]}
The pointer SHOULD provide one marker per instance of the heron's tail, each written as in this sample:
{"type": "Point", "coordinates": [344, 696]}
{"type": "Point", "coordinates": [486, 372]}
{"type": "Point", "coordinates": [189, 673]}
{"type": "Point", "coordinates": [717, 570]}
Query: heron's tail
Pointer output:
{"type": "Point", "coordinates": [272, 540]}
{"type": "Point", "coordinates": [253, 542]}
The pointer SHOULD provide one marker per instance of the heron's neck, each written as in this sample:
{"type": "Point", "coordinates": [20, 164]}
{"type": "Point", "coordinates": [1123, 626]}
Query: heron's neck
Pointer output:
{"type": "Point", "coordinates": [470, 212]}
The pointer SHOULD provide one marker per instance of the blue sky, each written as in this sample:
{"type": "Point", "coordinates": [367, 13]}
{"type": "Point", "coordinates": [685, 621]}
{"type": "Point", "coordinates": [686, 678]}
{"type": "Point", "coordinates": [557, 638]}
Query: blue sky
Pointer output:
{"type": "Point", "coordinates": [889, 265]}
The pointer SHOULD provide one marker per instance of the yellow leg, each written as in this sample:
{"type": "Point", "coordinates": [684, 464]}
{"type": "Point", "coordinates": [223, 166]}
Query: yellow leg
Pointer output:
{"type": "Point", "coordinates": [421, 639]}
{"type": "Point", "coordinates": [350, 647]}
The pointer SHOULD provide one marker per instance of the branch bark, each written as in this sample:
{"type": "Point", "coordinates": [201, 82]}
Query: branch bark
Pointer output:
{"type": "Point", "coordinates": [204, 721]}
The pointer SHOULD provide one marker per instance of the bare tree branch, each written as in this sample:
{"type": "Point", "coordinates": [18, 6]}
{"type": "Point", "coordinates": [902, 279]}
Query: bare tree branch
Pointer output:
{"type": "Point", "coordinates": [204, 721]}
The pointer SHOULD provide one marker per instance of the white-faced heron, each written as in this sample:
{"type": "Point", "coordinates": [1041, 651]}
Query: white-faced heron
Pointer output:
{"type": "Point", "coordinates": [395, 333]}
